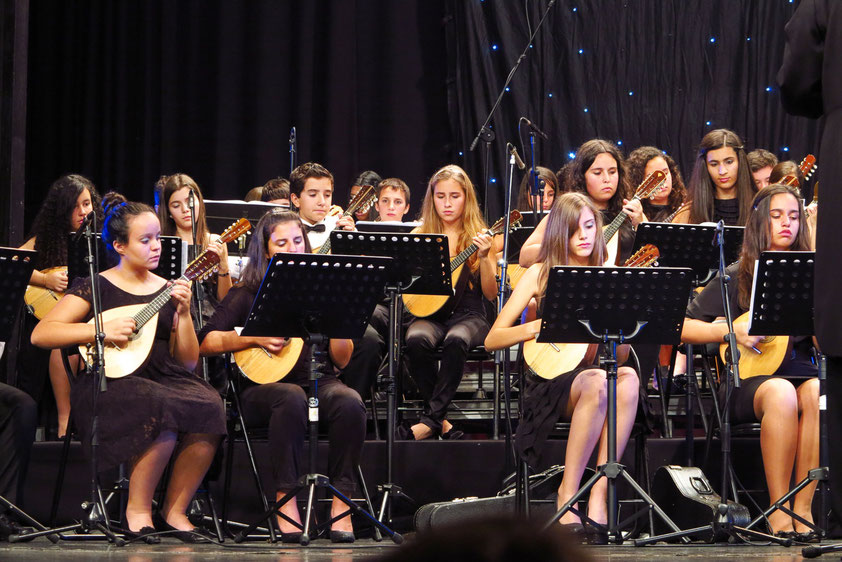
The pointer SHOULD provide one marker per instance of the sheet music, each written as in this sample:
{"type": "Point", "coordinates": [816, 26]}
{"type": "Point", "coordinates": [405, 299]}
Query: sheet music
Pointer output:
{"type": "Point", "coordinates": [753, 289]}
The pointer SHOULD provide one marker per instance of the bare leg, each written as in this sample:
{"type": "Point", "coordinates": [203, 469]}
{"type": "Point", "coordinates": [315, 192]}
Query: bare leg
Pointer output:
{"type": "Point", "coordinates": [776, 406]}
{"type": "Point", "coordinates": [627, 400]}
{"type": "Point", "coordinates": [290, 509]}
{"type": "Point", "coordinates": [145, 474]}
{"type": "Point", "coordinates": [586, 410]}
{"type": "Point", "coordinates": [193, 458]}
{"type": "Point", "coordinates": [807, 453]}
{"type": "Point", "coordinates": [337, 507]}
{"type": "Point", "coordinates": [61, 387]}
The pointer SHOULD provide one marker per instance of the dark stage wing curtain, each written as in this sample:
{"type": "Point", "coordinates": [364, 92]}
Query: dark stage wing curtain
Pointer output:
{"type": "Point", "coordinates": [648, 73]}
{"type": "Point", "coordinates": [124, 91]}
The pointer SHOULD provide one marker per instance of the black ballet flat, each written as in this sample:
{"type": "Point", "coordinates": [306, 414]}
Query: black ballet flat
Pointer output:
{"type": "Point", "coordinates": [291, 538]}
{"type": "Point", "coordinates": [146, 534]}
{"type": "Point", "coordinates": [576, 531]}
{"type": "Point", "coordinates": [596, 535]}
{"type": "Point", "coordinates": [341, 536]}
{"type": "Point", "coordinates": [452, 435]}
{"type": "Point", "coordinates": [195, 536]}
{"type": "Point", "coordinates": [810, 536]}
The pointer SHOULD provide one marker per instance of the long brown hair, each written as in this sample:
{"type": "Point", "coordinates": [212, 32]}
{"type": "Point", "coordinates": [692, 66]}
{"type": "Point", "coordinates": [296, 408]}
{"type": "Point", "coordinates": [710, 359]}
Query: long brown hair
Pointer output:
{"type": "Point", "coordinates": [255, 269]}
{"type": "Point", "coordinates": [758, 236]}
{"type": "Point", "coordinates": [171, 184]}
{"type": "Point", "coordinates": [472, 221]}
{"type": "Point", "coordinates": [524, 197]}
{"type": "Point", "coordinates": [562, 223]}
{"type": "Point", "coordinates": [574, 172]}
{"type": "Point", "coordinates": [702, 189]}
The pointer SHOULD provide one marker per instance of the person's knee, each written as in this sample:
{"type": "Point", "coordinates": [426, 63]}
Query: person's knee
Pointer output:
{"type": "Point", "coordinates": [778, 397]}
{"type": "Point", "coordinates": [593, 387]}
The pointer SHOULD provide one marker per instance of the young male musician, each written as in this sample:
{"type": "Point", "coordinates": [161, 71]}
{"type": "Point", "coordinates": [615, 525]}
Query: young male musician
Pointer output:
{"type": "Point", "coordinates": [311, 193]}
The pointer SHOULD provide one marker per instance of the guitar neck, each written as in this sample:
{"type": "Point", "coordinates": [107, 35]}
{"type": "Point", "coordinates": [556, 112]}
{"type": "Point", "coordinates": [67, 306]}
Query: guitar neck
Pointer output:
{"type": "Point", "coordinates": [615, 225]}
{"type": "Point", "coordinates": [150, 310]}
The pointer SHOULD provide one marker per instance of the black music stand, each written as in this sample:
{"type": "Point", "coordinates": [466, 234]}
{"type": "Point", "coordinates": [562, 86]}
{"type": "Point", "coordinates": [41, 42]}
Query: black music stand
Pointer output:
{"type": "Point", "coordinates": [613, 305]}
{"type": "Point", "coordinates": [172, 264]}
{"type": "Point", "coordinates": [386, 226]}
{"type": "Point", "coordinates": [17, 266]}
{"type": "Point", "coordinates": [782, 305]}
{"type": "Point", "coordinates": [221, 214]}
{"type": "Point", "coordinates": [421, 266]}
{"type": "Point", "coordinates": [316, 297]}
{"type": "Point", "coordinates": [688, 245]}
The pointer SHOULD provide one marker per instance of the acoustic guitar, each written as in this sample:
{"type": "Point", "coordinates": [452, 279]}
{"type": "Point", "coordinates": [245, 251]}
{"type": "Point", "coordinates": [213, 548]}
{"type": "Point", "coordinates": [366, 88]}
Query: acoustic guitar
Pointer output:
{"type": "Point", "coordinates": [422, 306]}
{"type": "Point", "coordinates": [647, 188]}
{"type": "Point", "coordinates": [40, 300]}
{"type": "Point", "coordinates": [362, 202]}
{"type": "Point", "coordinates": [549, 360]}
{"type": "Point", "coordinates": [124, 360]}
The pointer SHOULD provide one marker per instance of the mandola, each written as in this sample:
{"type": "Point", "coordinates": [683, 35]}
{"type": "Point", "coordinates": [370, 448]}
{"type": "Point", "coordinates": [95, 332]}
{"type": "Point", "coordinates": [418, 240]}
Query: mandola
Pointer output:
{"type": "Point", "coordinates": [125, 360]}
{"type": "Point", "coordinates": [362, 201]}
{"type": "Point", "coordinates": [422, 306]}
{"type": "Point", "coordinates": [549, 360]}
{"type": "Point", "coordinates": [40, 300]}
{"type": "Point", "coordinates": [648, 186]}
{"type": "Point", "coordinates": [772, 351]}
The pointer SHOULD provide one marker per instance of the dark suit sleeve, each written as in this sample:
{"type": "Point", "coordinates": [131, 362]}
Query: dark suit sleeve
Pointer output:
{"type": "Point", "coordinates": [800, 75]}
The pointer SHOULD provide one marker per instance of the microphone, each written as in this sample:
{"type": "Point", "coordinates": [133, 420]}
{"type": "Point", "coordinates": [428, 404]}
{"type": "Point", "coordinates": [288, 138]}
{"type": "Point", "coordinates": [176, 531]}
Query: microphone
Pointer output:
{"type": "Point", "coordinates": [292, 138]}
{"type": "Point", "coordinates": [534, 127]}
{"type": "Point", "coordinates": [513, 151]}
{"type": "Point", "coordinates": [81, 230]}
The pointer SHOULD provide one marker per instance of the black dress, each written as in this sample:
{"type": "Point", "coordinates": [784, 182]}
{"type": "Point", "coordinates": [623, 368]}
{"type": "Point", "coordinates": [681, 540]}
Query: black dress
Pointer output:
{"type": "Point", "coordinates": [163, 395]}
{"type": "Point", "coordinates": [797, 365]}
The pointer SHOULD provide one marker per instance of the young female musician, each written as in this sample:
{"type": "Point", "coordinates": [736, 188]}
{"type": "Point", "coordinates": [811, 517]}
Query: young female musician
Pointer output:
{"type": "Point", "coordinates": [159, 411]}
{"type": "Point", "coordinates": [721, 186]}
{"type": "Point", "coordinates": [788, 412]}
{"type": "Point", "coordinates": [450, 207]}
{"type": "Point", "coordinates": [668, 200]}
{"type": "Point", "coordinates": [368, 177]}
{"type": "Point", "coordinates": [283, 405]}
{"type": "Point", "coordinates": [69, 200]}
{"type": "Point", "coordinates": [573, 236]}
{"type": "Point", "coordinates": [174, 212]}
{"type": "Point", "coordinates": [524, 197]}
{"type": "Point", "coordinates": [598, 171]}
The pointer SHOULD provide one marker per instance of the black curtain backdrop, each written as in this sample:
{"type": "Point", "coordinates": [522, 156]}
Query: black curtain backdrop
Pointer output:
{"type": "Point", "coordinates": [635, 72]}
{"type": "Point", "coordinates": [124, 91]}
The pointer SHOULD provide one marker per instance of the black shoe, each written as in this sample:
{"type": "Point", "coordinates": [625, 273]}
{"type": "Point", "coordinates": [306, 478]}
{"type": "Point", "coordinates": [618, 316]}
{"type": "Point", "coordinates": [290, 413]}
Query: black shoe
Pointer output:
{"type": "Point", "coordinates": [146, 534]}
{"type": "Point", "coordinates": [596, 534]}
{"type": "Point", "coordinates": [452, 435]}
{"type": "Point", "coordinates": [291, 538]}
{"type": "Point", "coordinates": [403, 432]}
{"type": "Point", "coordinates": [810, 536]}
{"type": "Point", "coordinates": [196, 536]}
{"type": "Point", "coordinates": [341, 536]}
{"type": "Point", "coordinates": [576, 532]}
{"type": "Point", "coordinates": [11, 527]}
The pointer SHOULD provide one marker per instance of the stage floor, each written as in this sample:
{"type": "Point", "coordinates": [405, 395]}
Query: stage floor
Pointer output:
{"type": "Point", "coordinates": [170, 549]}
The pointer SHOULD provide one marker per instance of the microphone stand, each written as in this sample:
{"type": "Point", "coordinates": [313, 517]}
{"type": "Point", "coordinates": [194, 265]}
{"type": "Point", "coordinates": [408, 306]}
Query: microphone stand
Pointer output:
{"type": "Point", "coordinates": [536, 190]}
{"type": "Point", "coordinates": [293, 146]}
{"type": "Point", "coordinates": [199, 290]}
{"type": "Point", "coordinates": [501, 363]}
{"type": "Point", "coordinates": [485, 133]}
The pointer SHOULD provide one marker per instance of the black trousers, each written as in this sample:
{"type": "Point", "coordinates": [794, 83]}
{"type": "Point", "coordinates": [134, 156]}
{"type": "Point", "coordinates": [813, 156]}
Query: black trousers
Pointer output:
{"type": "Point", "coordinates": [18, 418]}
{"type": "Point", "coordinates": [834, 431]}
{"type": "Point", "coordinates": [457, 335]}
{"type": "Point", "coordinates": [283, 407]}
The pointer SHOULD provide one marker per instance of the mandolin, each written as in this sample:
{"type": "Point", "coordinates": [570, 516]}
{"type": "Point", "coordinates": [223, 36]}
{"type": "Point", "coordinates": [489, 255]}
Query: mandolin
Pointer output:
{"type": "Point", "coordinates": [125, 360]}
{"type": "Point", "coordinates": [260, 365]}
{"type": "Point", "coordinates": [648, 186]}
{"type": "Point", "coordinates": [361, 202]}
{"type": "Point", "coordinates": [422, 306]}
{"type": "Point", "coordinates": [770, 353]}
{"type": "Point", "coordinates": [549, 360]}
{"type": "Point", "coordinates": [40, 300]}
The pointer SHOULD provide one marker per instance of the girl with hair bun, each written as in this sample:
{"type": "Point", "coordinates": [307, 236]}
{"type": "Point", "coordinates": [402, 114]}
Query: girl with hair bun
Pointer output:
{"type": "Point", "coordinates": [161, 411]}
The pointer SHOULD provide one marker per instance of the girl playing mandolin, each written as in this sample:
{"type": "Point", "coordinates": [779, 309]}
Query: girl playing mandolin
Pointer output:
{"type": "Point", "coordinates": [450, 208]}
{"type": "Point", "coordinates": [598, 171]}
{"type": "Point", "coordinates": [788, 412]}
{"type": "Point", "coordinates": [160, 411]}
{"type": "Point", "coordinates": [69, 200]}
{"type": "Point", "coordinates": [573, 236]}
{"type": "Point", "coordinates": [283, 405]}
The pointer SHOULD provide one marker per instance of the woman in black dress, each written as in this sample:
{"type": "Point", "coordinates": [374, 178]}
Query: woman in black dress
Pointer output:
{"type": "Point", "coordinates": [162, 410]}
{"type": "Point", "coordinates": [573, 236]}
{"type": "Point", "coordinates": [664, 205]}
{"type": "Point", "coordinates": [283, 405]}
{"type": "Point", "coordinates": [721, 187]}
{"type": "Point", "coordinates": [788, 411]}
